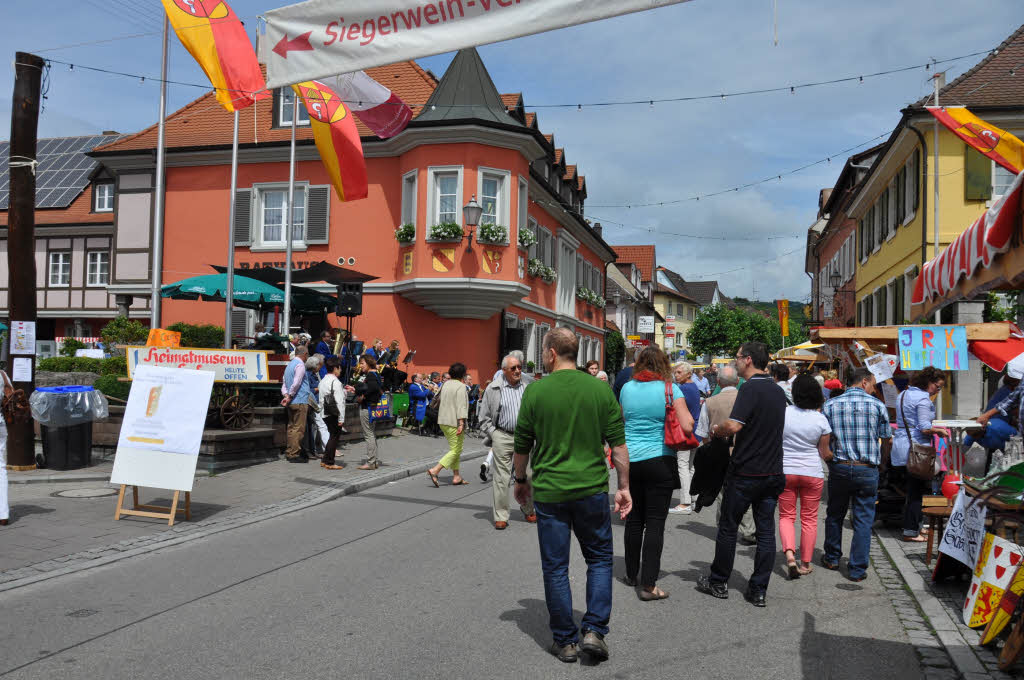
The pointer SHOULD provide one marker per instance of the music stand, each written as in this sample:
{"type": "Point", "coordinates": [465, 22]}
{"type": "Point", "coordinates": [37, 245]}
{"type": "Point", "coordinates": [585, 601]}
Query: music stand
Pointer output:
{"type": "Point", "coordinates": [409, 356]}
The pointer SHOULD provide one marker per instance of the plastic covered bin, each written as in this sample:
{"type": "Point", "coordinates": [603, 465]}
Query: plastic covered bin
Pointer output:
{"type": "Point", "coordinates": [67, 405]}
{"type": "Point", "coordinates": [65, 416]}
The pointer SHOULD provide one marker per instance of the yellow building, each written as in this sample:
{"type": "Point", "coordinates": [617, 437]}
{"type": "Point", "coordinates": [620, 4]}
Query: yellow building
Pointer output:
{"type": "Point", "coordinates": [894, 206]}
{"type": "Point", "coordinates": [678, 302]}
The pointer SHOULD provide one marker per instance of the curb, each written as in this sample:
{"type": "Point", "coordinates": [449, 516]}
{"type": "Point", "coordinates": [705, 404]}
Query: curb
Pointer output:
{"type": "Point", "coordinates": [965, 661]}
{"type": "Point", "coordinates": [178, 531]}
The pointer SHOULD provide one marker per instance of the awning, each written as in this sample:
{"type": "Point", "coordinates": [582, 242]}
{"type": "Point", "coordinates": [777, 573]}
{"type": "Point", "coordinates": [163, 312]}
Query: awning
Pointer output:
{"type": "Point", "coordinates": [997, 353]}
{"type": "Point", "coordinates": [322, 271]}
{"type": "Point", "coordinates": [992, 243]}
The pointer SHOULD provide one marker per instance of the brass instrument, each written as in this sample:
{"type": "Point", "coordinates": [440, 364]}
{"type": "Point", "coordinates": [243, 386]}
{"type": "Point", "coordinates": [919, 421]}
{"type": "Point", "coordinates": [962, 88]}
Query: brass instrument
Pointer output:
{"type": "Point", "coordinates": [337, 342]}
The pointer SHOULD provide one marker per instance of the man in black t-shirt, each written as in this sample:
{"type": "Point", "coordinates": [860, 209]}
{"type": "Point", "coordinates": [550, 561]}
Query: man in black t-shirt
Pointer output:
{"type": "Point", "coordinates": [755, 478]}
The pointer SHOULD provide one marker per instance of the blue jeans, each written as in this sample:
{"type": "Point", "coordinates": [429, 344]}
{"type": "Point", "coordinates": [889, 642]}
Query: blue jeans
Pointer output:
{"type": "Point", "coordinates": [856, 487]}
{"type": "Point", "coordinates": [590, 519]}
{"type": "Point", "coordinates": [761, 495]}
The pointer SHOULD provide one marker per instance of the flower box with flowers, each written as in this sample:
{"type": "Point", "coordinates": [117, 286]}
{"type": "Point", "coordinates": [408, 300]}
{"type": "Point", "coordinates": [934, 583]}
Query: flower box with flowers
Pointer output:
{"type": "Point", "coordinates": [406, 233]}
{"type": "Point", "coordinates": [450, 232]}
{"type": "Point", "coordinates": [493, 234]}
{"type": "Point", "coordinates": [541, 270]}
{"type": "Point", "coordinates": [526, 238]}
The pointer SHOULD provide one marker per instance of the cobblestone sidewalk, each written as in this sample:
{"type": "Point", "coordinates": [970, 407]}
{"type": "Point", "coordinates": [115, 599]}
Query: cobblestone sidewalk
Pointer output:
{"type": "Point", "coordinates": [931, 614]}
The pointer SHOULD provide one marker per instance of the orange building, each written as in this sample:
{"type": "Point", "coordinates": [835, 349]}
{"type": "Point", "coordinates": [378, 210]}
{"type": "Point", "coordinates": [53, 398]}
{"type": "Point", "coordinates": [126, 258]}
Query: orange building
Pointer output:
{"type": "Point", "coordinates": [435, 295]}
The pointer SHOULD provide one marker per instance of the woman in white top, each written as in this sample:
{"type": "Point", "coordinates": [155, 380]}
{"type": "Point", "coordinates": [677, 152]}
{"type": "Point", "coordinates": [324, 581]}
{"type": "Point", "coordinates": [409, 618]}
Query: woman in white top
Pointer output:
{"type": "Point", "coordinates": [332, 405]}
{"type": "Point", "coordinates": [805, 443]}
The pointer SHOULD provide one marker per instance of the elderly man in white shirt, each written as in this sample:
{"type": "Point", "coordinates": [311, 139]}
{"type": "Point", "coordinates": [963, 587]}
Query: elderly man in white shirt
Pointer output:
{"type": "Point", "coordinates": [485, 467]}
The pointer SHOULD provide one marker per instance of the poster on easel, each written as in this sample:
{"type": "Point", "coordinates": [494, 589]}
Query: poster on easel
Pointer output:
{"type": "Point", "coordinates": [162, 428]}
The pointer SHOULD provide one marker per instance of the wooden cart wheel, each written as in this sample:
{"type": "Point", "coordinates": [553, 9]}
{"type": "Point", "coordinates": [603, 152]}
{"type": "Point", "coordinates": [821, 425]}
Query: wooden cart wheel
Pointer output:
{"type": "Point", "coordinates": [1013, 649]}
{"type": "Point", "coordinates": [237, 412]}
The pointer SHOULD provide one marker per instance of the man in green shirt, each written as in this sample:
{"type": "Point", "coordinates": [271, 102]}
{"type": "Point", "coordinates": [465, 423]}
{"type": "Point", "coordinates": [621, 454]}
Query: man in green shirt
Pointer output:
{"type": "Point", "coordinates": [568, 416]}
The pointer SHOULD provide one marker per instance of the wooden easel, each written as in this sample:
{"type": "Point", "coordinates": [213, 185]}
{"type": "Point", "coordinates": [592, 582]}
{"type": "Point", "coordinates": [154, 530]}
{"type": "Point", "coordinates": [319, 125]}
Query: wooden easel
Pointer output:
{"type": "Point", "coordinates": [158, 511]}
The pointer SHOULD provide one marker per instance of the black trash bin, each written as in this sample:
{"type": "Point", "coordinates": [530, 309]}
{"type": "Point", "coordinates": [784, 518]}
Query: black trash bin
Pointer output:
{"type": "Point", "coordinates": [67, 448]}
{"type": "Point", "coordinates": [65, 416]}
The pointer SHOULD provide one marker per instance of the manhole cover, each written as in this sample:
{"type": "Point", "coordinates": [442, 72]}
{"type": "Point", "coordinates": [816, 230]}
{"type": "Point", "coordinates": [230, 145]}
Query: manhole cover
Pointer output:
{"type": "Point", "coordinates": [86, 493]}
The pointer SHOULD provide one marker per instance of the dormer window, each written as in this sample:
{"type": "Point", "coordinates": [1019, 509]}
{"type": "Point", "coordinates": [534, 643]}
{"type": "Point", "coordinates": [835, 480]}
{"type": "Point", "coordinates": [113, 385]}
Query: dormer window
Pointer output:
{"type": "Point", "coordinates": [103, 197]}
{"type": "Point", "coordinates": [286, 106]}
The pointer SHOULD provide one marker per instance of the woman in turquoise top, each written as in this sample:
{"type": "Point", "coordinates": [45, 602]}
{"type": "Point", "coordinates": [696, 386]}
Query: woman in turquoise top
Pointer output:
{"type": "Point", "coordinates": [652, 466]}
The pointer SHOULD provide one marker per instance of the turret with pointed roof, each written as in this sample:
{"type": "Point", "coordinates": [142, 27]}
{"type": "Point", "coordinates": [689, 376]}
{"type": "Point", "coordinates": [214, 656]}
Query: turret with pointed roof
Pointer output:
{"type": "Point", "coordinates": [466, 92]}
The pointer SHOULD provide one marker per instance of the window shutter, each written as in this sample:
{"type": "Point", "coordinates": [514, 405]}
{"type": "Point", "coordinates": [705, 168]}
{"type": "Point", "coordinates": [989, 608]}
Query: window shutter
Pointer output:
{"type": "Point", "coordinates": [977, 176]}
{"type": "Point", "coordinates": [581, 279]}
{"type": "Point", "coordinates": [239, 323]}
{"type": "Point", "coordinates": [242, 228]}
{"type": "Point", "coordinates": [913, 179]}
{"type": "Point", "coordinates": [318, 203]}
{"type": "Point", "coordinates": [531, 252]}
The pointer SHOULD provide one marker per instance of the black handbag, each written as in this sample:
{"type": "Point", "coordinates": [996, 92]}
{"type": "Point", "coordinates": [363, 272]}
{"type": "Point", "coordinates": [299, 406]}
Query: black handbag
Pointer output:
{"type": "Point", "coordinates": [921, 457]}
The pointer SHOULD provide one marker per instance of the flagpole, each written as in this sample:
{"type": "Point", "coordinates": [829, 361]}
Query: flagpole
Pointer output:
{"type": "Point", "coordinates": [158, 208]}
{"type": "Point", "coordinates": [288, 223]}
{"type": "Point", "coordinates": [230, 293]}
{"type": "Point", "coordinates": [935, 222]}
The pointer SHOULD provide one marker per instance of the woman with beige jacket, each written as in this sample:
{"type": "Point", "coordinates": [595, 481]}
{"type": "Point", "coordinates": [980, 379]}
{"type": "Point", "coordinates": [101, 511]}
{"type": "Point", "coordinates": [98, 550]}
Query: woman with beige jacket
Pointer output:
{"type": "Point", "coordinates": [452, 414]}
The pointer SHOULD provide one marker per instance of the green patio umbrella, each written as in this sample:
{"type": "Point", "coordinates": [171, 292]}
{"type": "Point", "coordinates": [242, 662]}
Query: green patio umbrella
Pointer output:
{"type": "Point", "coordinates": [213, 287]}
{"type": "Point", "coordinates": [3, 326]}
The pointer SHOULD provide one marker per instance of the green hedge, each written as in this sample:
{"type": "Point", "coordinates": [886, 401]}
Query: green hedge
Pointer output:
{"type": "Point", "coordinates": [199, 335]}
{"type": "Point", "coordinates": [114, 366]}
{"type": "Point", "coordinates": [112, 387]}
{"type": "Point", "coordinates": [69, 364]}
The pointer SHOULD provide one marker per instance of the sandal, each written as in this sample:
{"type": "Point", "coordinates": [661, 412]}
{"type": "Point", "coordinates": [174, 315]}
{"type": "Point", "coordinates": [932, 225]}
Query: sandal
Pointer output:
{"type": "Point", "coordinates": [459, 483]}
{"type": "Point", "coordinates": [915, 539]}
{"type": "Point", "coordinates": [792, 566]}
{"type": "Point", "coordinates": [805, 568]}
{"type": "Point", "coordinates": [433, 478]}
{"type": "Point", "coordinates": [652, 595]}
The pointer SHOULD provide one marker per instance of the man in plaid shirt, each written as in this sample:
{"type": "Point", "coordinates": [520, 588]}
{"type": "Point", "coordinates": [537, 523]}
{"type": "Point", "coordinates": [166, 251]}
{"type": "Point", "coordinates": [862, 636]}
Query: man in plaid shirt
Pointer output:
{"type": "Point", "coordinates": [858, 422]}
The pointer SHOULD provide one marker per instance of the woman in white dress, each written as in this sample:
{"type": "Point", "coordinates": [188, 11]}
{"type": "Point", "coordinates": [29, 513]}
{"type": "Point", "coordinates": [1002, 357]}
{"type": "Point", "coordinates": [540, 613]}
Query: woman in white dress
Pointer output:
{"type": "Point", "coordinates": [5, 510]}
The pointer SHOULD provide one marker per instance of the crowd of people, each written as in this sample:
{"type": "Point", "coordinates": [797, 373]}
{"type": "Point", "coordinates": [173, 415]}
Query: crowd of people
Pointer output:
{"type": "Point", "coordinates": [762, 441]}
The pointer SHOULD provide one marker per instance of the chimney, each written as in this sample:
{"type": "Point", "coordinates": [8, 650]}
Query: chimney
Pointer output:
{"type": "Point", "coordinates": [597, 228]}
{"type": "Point", "coordinates": [109, 133]}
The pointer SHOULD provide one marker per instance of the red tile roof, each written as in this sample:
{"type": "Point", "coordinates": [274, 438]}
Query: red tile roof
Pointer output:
{"type": "Point", "coordinates": [512, 100]}
{"type": "Point", "coordinates": [641, 256]}
{"type": "Point", "coordinates": [570, 173]}
{"type": "Point", "coordinates": [989, 82]}
{"type": "Point", "coordinates": [531, 119]}
{"type": "Point", "coordinates": [611, 325]}
{"type": "Point", "coordinates": [674, 293]}
{"type": "Point", "coordinates": [203, 121]}
{"type": "Point", "coordinates": [581, 182]}
{"type": "Point", "coordinates": [559, 154]}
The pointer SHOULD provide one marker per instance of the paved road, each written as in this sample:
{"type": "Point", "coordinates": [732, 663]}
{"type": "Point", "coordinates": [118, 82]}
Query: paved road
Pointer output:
{"type": "Point", "coordinates": [411, 581]}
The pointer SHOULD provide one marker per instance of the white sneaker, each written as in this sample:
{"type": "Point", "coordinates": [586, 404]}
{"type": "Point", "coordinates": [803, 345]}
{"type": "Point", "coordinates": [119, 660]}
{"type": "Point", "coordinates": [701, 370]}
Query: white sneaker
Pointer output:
{"type": "Point", "coordinates": [681, 510]}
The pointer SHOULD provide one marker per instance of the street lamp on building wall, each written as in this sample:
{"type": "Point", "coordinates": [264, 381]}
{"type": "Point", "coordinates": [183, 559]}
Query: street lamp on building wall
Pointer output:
{"type": "Point", "coordinates": [471, 213]}
{"type": "Point", "coordinates": [836, 279]}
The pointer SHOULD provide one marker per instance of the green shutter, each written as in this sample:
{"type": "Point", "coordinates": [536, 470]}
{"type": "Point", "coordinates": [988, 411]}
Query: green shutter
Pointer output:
{"type": "Point", "coordinates": [242, 228]}
{"type": "Point", "coordinates": [977, 176]}
{"type": "Point", "coordinates": [318, 203]}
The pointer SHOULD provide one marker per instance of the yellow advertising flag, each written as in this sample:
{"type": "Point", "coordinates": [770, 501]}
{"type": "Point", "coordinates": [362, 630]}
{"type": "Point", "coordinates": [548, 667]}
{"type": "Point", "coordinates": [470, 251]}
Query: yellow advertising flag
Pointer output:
{"type": "Point", "coordinates": [783, 307]}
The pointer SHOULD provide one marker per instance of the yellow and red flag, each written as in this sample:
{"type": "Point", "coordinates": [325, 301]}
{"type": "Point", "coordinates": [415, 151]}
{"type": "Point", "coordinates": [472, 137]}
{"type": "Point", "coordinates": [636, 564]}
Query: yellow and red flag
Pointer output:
{"type": "Point", "coordinates": [783, 308]}
{"type": "Point", "coordinates": [215, 37]}
{"type": "Point", "coordinates": [337, 139]}
{"type": "Point", "coordinates": [999, 145]}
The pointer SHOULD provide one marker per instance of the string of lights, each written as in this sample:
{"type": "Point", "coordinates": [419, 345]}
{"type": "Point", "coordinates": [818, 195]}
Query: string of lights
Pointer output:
{"type": "Point", "coordinates": [650, 101]}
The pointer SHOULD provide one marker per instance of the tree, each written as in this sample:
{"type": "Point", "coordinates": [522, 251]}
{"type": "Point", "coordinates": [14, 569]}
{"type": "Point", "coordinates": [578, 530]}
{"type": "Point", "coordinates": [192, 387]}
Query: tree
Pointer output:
{"type": "Point", "coordinates": [715, 330]}
{"type": "Point", "coordinates": [614, 353]}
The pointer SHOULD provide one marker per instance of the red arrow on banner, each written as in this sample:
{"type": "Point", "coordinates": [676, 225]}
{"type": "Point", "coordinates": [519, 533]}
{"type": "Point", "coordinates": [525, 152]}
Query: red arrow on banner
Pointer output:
{"type": "Point", "coordinates": [297, 44]}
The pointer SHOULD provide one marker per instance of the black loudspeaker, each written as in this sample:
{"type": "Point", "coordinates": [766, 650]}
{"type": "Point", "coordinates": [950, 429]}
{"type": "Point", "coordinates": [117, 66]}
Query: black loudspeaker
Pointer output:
{"type": "Point", "coordinates": [350, 299]}
{"type": "Point", "coordinates": [513, 339]}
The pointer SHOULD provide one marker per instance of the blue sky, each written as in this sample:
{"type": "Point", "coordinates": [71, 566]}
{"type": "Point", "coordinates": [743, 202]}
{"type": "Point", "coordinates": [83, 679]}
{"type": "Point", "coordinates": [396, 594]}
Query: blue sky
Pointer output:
{"type": "Point", "coordinates": [630, 154]}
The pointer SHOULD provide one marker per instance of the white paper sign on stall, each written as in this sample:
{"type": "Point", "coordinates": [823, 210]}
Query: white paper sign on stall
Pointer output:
{"type": "Point", "coordinates": [965, 530]}
{"type": "Point", "coordinates": [162, 428]}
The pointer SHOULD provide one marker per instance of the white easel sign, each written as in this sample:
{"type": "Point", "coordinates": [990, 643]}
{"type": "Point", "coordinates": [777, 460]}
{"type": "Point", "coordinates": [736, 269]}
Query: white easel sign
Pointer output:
{"type": "Point", "coordinates": [163, 428]}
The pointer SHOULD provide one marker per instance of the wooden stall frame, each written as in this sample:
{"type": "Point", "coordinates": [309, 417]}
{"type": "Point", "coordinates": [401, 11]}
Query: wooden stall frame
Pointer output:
{"type": "Point", "coordinates": [158, 511]}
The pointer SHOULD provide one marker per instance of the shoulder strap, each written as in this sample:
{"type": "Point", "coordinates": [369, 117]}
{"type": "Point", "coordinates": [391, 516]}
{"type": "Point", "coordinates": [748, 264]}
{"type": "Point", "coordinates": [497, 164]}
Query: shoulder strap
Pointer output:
{"type": "Point", "coordinates": [668, 394]}
{"type": "Point", "coordinates": [904, 414]}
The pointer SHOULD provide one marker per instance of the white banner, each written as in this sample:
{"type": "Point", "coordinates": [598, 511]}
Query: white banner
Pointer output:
{"type": "Point", "coordinates": [162, 428]}
{"type": "Point", "coordinates": [645, 324]}
{"type": "Point", "coordinates": [229, 365]}
{"type": "Point", "coordinates": [320, 38]}
{"type": "Point", "coordinates": [965, 530]}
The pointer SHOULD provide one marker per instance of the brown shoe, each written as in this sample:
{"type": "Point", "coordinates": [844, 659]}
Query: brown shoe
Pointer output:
{"type": "Point", "coordinates": [532, 519]}
{"type": "Point", "coordinates": [500, 526]}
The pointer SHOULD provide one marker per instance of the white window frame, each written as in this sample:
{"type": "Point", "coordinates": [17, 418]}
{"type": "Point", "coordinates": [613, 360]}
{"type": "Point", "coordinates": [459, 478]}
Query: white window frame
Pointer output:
{"type": "Point", "coordinates": [433, 198]}
{"type": "Point", "coordinates": [284, 112]}
{"type": "Point", "coordinates": [61, 263]}
{"type": "Point", "coordinates": [97, 195]}
{"type": "Point", "coordinates": [89, 268]}
{"type": "Point", "coordinates": [874, 306]}
{"type": "Point", "coordinates": [890, 205]}
{"type": "Point", "coordinates": [998, 168]}
{"type": "Point", "coordinates": [910, 190]}
{"type": "Point", "coordinates": [876, 244]}
{"type": "Point", "coordinates": [529, 327]}
{"type": "Point", "coordinates": [522, 208]}
{"type": "Point", "coordinates": [549, 256]}
{"type": "Point", "coordinates": [504, 178]}
{"type": "Point", "coordinates": [534, 227]}
{"type": "Point", "coordinates": [566, 283]}
{"type": "Point", "coordinates": [511, 320]}
{"type": "Point", "coordinates": [259, 243]}
{"type": "Point", "coordinates": [409, 206]}
{"type": "Point", "coordinates": [908, 292]}
{"type": "Point", "coordinates": [890, 301]}
{"type": "Point", "coordinates": [544, 328]}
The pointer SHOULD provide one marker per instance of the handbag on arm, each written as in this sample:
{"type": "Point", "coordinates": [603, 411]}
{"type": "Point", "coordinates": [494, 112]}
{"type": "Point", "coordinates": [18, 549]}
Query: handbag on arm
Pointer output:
{"type": "Point", "coordinates": [675, 438]}
{"type": "Point", "coordinates": [920, 457]}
